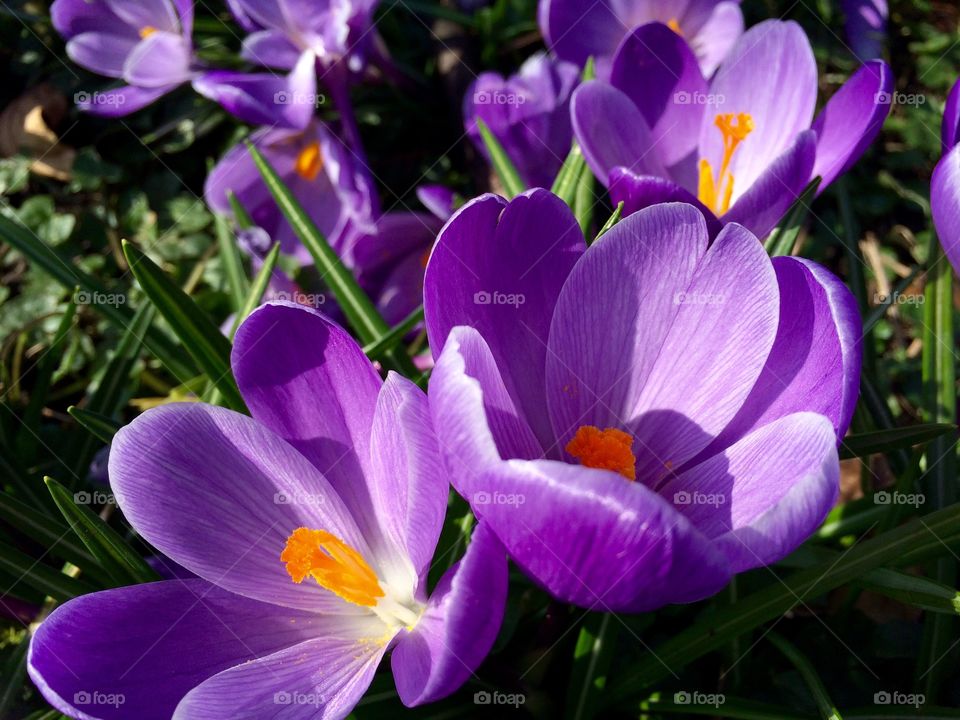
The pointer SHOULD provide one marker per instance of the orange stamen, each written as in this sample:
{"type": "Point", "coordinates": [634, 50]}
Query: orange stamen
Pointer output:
{"type": "Point", "coordinates": [675, 26]}
{"type": "Point", "coordinates": [146, 31]}
{"type": "Point", "coordinates": [716, 193]}
{"type": "Point", "coordinates": [309, 162]}
{"type": "Point", "coordinates": [604, 449]}
{"type": "Point", "coordinates": [333, 564]}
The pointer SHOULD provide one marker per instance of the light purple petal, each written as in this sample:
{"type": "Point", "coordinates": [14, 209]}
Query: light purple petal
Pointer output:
{"type": "Point", "coordinates": [851, 120]}
{"type": "Point", "coordinates": [499, 267]}
{"type": "Point", "coordinates": [945, 204]}
{"type": "Point", "coordinates": [101, 52]}
{"type": "Point", "coordinates": [220, 494]}
{"type": "Point", "coordinates": [950, 129]}
{"type": "Point", "coordinates": [121, 101]}
{"type": "Point", "coordinates": [270, 48]}
{"type": "Point", "coordinates": [714, 40]}
{"type": "Point", "coordinates": [459, 626]}
{"type": "Point", "coordinates": [595, 539]}
{"type": "Point", "coordinates": [656, 69]}
{"type": "Point", "coordinates": [866, 27]}
{"type": "Point", "coordinates": [639, 191]}
{"type": "Point", "coordinates": [611, 131]}
{"type": "Point", "coordinates": [161, 59]}
{"type": "Point", "coordinates": [158, 14]}
{"type": "Point", "coordinates": [762, 205]}
{"type": "Point", "coordinates": [320, 679]}
{"type": "Point", "coordinates": [577, 29]}
{"type": "Point", "coordinates": [437, 199]}
{"type": "Point", "coordinates": [308, 381]}
{"type": "Point", "coordinates": [763, 496]}
{"type": "Point", "coordinates": [146, 646]}
{"type": "Point", "coordinates": [73, 17]}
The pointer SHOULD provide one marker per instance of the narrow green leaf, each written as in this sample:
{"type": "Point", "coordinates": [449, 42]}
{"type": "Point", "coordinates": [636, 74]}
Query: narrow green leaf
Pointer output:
{"type": "Point", "coordinates": [611, 221]}
{"type": "Point", "coordinates": [258, 288]}
{"type": "Point", "coordinates": [784, 236]}
{"type": "Point", "coordinates": [100, 426]}
{"type": "Point", "coordinates": [513, 185]}
{"type": "Point", "coordinates": [919, 539]}
{"type": "Point", "coordinates": [568, 179]}
{"type": "Point", "coordinates": [584, 201]}
{"type": "Point", "coordinates": [124, 566]}
{"type": "Point", "coordinates": [882, 441]}
{"type": "Point", "coordinates": [592, 658]}
{"type": "Point", "coordinates": [393, 338]}
{"type": "Point", "coordinates": [202, 339]}
{"type": "Point", "coordinates": [14, 674]}
{"type": "Point", "coordinates": [240, 214]}
{"type": "Point", "coordinates": [232, 262]}
{"type": "Point", "coordinates": [828, 710]}
{"type": "Point", "coordinates": [40, 577]}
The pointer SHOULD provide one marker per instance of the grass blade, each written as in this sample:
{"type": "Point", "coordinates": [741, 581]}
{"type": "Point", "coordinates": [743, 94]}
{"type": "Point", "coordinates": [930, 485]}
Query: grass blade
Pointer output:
{"type": "Point", "coordinates": [882, 441]}
{"type": "Point", "coordinates": [258, 288]}
{"type": "Point", "coordinates": [828, 711]}
{"type": "Point", "coordinates": [40, 577]}
{"type": "Point", "coordinates": [784, 236]}
{"type": "Point", "coordinates": [100, 426]}
{"type": "Point", "coordinates": [232, 262]}
{"type": "Point", "coordinates": [513, 185]}
{"type": "Point", "coordinates": [389, 341]}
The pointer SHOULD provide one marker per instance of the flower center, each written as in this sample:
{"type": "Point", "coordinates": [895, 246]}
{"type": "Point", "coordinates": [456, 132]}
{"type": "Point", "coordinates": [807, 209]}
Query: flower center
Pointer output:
{"type": "Point", "coordinates": [333, 564]}
{"type": "Point", "coordinates": [715, 192]}
{"type": "Point", "coordinates": [146, 31]}
{"type": "Point", "coordinates": [309, 162]}
{"type": "Point", "coordinates": [675, 26]}
{"type": "Point", "coordinates": [604, 449]}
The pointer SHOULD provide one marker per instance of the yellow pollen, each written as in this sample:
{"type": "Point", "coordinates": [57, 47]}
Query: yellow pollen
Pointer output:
{"type": "Point", "coordinates": [146, 31]}
{"type": "Point", "coordinates": [675, 26]}
{"type": "Point", "coordinates": [716, 192]}
{"type": "Point", "coordinates": [333, 564]}
{"type": "Point", "coordinates": [604, 449]}
{"type": "Point", "coordinates": [309, 162]}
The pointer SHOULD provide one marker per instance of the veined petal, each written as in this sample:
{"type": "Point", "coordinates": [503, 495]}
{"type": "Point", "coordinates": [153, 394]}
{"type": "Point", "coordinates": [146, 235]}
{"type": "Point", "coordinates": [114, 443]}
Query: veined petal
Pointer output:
{"type": "Point", "coordinates": [159, 60]}
{"type": "Point", "coordinates": [714, 40]}
{"type": "Point", "coordinates": [637, 192]}
{"type": "Point", "coordinates": [945, 203]}
{"type": "Point", "coordinates": [101, 52]}
{"type": "Point", "coordinates": [270, 48]}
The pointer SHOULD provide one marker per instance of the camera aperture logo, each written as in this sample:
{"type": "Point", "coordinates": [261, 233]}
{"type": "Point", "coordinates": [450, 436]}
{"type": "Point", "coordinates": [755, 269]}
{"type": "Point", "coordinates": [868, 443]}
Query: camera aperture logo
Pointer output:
{"type": "Point", "coordinates": [886, 497]}
{"type": "Point", "coordinates": [498, 97]}
{"type": "Point", "coordinates": [498, 498]}
{"type": "Point", "coordinates": [885, 697]}
{"type": "Point", "coordinates": [96, 697]}
{"type": "Point", "coordinates": [685, 697]}
{"type": "Point", "coordinates": [99, 99]}
{"type": "Point", "coordinates": [288, 97]}
{"type": "Point", "coordinates": [483, 697]}
{"type": "Point", "coordinates": [686, 497]}
{"type": "Point", "coordinates": [311, 699]}
{"type": "Point", "coordinates": [499, 298]}
{"type": "Point", "coordinates": [299, 498]}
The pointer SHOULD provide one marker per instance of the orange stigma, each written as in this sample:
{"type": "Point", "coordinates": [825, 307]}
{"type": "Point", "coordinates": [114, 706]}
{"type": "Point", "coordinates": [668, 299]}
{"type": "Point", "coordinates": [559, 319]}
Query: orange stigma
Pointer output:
{"type": "Point", "coordinates": [333, 564]}
{"type": "Point", "coordinates": [309, 162]}
{"type": "Point", "coordinates": [675, 26]}
{"type": "Point", "coordinates": [604, 449]}
{"type": "Point", "coordinates": [146, 31]}
{"type": "Point", "coordinates": [716, 193]}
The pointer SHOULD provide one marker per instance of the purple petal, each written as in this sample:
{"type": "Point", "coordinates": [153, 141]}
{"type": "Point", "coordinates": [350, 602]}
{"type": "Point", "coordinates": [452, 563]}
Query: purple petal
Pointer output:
{"type": "Point", "coordinates": [772, 75]}
{"type": "Point", "coordinates": [220, 494]}
{"type": "Point", "coordinates": [714, 40]}
{"type": "Point", "coordinates": [866, 26]}
{"type": "Point", "coordinates": [611, 131]}
{"type": "Point", "coordinates": [656, 69]}
{"type": "Point", "coordinates": [762, 205]}
{"type": "Point", "coordinates": [120, 101]}
{"type": "Point", "coordinates": [437, 199]}
{"type": "Point", "coordinates": [270, 48]}
{"type": "Point", "coordinates": [579, 29]}
{"type": "Point", "coordinates": [321, 401]}
{"type": "Point", "coordinates": [615, 312]}
{"type": "Point", "coordinates": [158, 14]}
{"type": "Point", "coordinates": [162, 59]}
{"type": "Point", "coordinates": [851, 119]}
{"type": "Point", "coordinates": [134, 652]}
{"type": "Point", "coordinates": [321, 679]}
{"type": "Point", "coordinates": [764, 495]}
{"type": "Point", "coordinates": [639, 191]}
{"type": "Point", "coordinates": [73, 17]}
{"type": "Point", "coordinates": [945, 203]}
{"type": "Point", "coordinates": [240, 14]}
{"type": "Point", "coordinates": [950, 130]}
{"type": "Point", "coordinates": [499, 267]}
{"type": "Point", "coordinates": [459, 626]}
{"type": "Point", "coordinates": [595, 539]}
{"type": "Point", "coordinates": [101, 52]}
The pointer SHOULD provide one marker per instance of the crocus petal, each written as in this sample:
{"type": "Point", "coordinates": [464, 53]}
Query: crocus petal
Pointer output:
{"type": "Point", "coordinates": [611, 131]}
{"type": "Point", "coordinates": [639, 191]}
{"type": "Point", "coordinates": [772, 75]}
{"type": "Point", "coordinates": [866, 26]}
{"type": "Point", "coordinates": [851, 120]}
{"type": "Point", "coordinates": [577, 30]}
{"type": "Point", "coordinates": [594, 539]}
{"type": "Point", "coordinates": [764, 495]}
{"type": "Point", "coordinates": [767, 200]}
{"type": "Point", "coordinates": [146, 646]}
{"type": "Point", "coordinates": [509, 303]}
{"type": "Point", "coordinates": [945, 204]}
{"type": "Point", "coordinates": [121, 101]}
{"type": "Point", "coordinates": [320, 679]}
{"type": "Point", "coordinates": [161, 59]}
{"type": "Point", "coordinates": [262, 98]}
{"type": "Point", "coordinates": [220, 494]}
{"type": "Point", "coordinates": [438, 199]}
{"type": "Point", "coordinates": [713, 41]}
{"type": "Point", "coordinates": [656, 69]}
{"type": "Point", "coordinates": [601, 351]}
{"type": "Point", "coordinates": [184, 10]}
{"type": "Point", "coordinates": [307, 380]}
{"type": "Point", "coordinates": [411, 488]}
{"type": "Point", "coordinates": [158, 14]}
{"type": "Point", "coordinates": [458, 627]}
{"type": "Point", "coordinates": [101, 52]}
{"type": "Point", "coordinates": [73, 17]}
{"type": "Point", "coordinates": [270, 48]}
{"type": "Point", "coordinates": [950, 129]}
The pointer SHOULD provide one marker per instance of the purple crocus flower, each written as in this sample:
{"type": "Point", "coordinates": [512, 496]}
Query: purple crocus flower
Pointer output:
{"type": "Point", "coordinates": [741, 147]}
{"type": "Point", "coordinates": [945, 183]}
{"type": "Point", "coordinates": [579, 29]}
{"type": "Point", "coordinates": [529, 113]}
{"type": "Point", "coordinates": [866, 26]}
{"type": "Point", "coordinates": [145, 43]}
{"type": "Point", "coordinates": [326, 177]}
{"type": "Point", "coordinates": [638, 420]}
{"type": "Point", "coordinates": [311, 527]}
